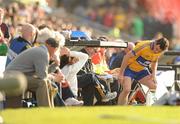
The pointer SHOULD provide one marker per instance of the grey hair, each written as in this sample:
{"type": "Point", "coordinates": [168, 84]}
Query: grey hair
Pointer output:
{"type": "Point", "coordinates": [44, 34]}
{"type": "Point", "coordinates": [59, 37]}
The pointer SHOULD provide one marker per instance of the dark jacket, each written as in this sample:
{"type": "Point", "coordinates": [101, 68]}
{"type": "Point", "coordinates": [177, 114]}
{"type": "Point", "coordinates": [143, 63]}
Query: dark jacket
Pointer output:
{"type": "Point", "coordinates": [88, 67]}
{"type": "Point", "coordinates": [116, 60]}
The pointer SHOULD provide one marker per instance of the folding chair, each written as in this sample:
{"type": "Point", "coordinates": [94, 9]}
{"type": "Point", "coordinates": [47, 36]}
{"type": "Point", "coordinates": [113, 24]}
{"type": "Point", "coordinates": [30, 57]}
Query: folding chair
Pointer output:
{"type": "Point", "coordinates": [137, 94]}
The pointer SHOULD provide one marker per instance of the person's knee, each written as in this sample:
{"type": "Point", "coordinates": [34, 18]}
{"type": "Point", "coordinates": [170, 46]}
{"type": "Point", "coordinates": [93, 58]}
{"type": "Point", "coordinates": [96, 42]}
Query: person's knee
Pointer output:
{"type": "Point", "coordinates": [90, 75]}
{"type": "Point", "coordinates": [153, 86]}
{"type": "Point", "coordinates": [92, 78]}
{"type": "Point", "coordinates": [44, 83]}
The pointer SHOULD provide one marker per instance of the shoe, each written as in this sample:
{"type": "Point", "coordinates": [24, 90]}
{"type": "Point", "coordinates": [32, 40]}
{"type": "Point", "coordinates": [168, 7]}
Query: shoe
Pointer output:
{"type": "Point", "coordinates": [109, 96]}
{"type": "Point", "coordinates": [73, 102]}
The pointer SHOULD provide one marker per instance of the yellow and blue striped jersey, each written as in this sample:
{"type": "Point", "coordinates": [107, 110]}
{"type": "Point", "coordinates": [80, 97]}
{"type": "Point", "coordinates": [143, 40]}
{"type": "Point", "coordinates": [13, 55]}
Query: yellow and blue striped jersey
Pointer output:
{"type": "Point", "coordinates": [144, 55]}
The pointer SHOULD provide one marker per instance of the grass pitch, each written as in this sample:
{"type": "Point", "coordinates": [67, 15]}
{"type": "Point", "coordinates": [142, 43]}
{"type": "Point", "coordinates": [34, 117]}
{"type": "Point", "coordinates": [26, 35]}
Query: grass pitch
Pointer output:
{"type": "Point", "coordinates": [93, 115]}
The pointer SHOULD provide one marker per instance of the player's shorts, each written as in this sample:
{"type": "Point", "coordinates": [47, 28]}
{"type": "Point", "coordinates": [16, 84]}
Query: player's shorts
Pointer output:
{"type": "Point", "coordinates": [136, 75]}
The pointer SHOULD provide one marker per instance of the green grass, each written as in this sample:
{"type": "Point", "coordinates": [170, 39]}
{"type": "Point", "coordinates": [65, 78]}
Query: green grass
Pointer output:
{"type": "Point", "coordinates": [95, 115]}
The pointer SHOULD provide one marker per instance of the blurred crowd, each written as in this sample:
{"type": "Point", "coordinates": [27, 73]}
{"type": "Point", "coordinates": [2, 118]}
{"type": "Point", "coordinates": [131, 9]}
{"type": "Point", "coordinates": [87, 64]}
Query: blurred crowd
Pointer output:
{"type": "Point", "coordinates": [132, 17]}
{"type": "Point", "coordinates": [17, 13]}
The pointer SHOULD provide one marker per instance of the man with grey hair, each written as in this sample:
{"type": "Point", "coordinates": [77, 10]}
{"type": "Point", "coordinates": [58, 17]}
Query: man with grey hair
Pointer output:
{"type": "Point", "coordinates": [34, 63]}
{"type": "Point", "coordinates": [46, 33]}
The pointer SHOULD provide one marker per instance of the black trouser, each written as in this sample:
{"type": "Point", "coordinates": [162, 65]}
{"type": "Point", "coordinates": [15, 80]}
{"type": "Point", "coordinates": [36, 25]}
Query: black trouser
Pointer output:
{"type": "Point", "coordinates": [91, 78]}
{"type": "Point", "coordinates": [89, 83]}
{"type": "Point", "coordinates": [58, 101]}
{"type": "Point", "coordinates": [67, 93]}
{"type": "Point", "coordinates": [115, 87]}
{"type": "Point", "coordinates": [85, 82]}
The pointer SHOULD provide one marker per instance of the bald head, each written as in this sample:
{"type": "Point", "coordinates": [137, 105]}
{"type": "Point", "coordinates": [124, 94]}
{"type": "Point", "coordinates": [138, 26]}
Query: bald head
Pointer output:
{"type": "Point", "coordinates": [129, 47]}
{"type": "Point", "coordinates": [28, 32]}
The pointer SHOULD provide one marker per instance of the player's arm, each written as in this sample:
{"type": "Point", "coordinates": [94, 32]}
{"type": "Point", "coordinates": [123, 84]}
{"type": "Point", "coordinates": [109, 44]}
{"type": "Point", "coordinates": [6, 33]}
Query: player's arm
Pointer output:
{"type": "Point", "coordinates": [125, 60]}
{"type": "Point", "coordinates": [154, 69]}
{"type": "Point", "coordinates": [136, 52]}
{"type": "Point", "coordinates": [124, 65]}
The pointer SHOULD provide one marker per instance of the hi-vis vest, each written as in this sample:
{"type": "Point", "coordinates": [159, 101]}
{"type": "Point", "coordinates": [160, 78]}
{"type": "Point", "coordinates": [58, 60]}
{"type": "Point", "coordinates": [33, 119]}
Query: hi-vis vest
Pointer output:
{"type": "Point", "coordinates": [16, 47]}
